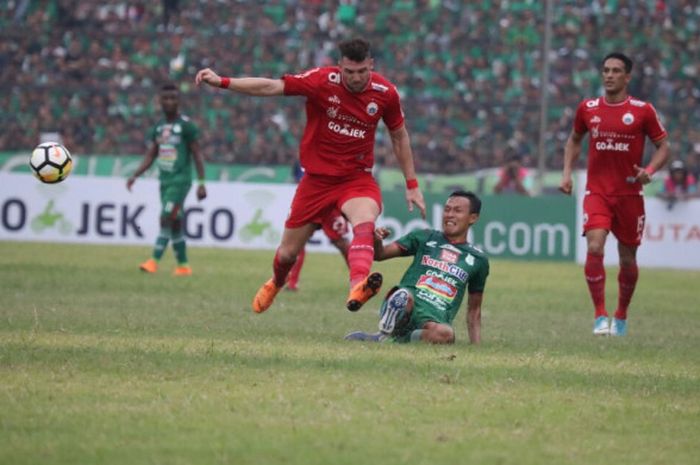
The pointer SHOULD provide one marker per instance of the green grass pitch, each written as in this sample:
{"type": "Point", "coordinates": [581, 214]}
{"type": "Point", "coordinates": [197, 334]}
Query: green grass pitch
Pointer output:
{"type": "Point", "coordinates": [102, 364]}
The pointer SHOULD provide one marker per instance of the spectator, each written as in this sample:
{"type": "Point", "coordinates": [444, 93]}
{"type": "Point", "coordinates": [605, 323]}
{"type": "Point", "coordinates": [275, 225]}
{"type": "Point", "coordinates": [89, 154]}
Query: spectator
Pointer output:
{"type": "Point", "coordinates": [679, 184]}
{"type": "Point", "coordinates": [512, 177]}
{"type": "Point", "coordinates": [471, 82]}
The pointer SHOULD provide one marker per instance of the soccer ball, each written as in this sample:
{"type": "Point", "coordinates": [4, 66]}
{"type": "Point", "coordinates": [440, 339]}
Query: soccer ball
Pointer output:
{"type": "Point", "coordinates": [51, 162]}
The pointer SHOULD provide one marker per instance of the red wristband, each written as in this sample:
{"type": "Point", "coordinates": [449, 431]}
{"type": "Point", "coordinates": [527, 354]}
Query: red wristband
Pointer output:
{"type": "Point", "coordinates": [225, 81]}
{"type": "Point", "coordinates": [411, 183]}
{"type": "Point", "coordinates": [650, 171]}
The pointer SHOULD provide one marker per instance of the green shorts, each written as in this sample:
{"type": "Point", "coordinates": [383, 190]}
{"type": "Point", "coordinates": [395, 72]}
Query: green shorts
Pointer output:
{"type": "Point", "coordinates": [420, 315]}
{"type": "Point", "coordinates": [172, 199]}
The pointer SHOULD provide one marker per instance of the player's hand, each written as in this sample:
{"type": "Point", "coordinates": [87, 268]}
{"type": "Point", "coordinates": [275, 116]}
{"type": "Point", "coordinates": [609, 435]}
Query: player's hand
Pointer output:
{"type": "Point", "coordinates": [641, 175]}
{"type": "Point", "coordinates": [566, 185]}
{"type": "Point", "coordinates": [415, 197]}
{"type": "Point", "coordinates": [382, 233]}
{"type": "Point", "coordinates": [129, 183]}
{"type": "Point", "coordinates": [201, 192]}
{"type": "Point", "coordinates": [207, 76]}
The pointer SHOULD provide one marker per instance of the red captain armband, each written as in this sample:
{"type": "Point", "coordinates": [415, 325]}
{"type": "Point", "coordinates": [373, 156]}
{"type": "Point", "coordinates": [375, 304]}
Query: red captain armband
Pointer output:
{"type": "Point", "coordinates": [649, 170]}
{"type": "Point", "coordinates": [411, 183]}
{"type": "Point", "coordinates": [225, 81]}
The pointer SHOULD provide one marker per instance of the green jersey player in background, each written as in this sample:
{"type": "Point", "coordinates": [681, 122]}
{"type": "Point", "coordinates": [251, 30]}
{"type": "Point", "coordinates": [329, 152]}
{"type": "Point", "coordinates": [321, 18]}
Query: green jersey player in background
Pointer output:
{"type": "Point", "coordinates": [173, 143]}
{"type": "Point", "coordinates": [444, 268]}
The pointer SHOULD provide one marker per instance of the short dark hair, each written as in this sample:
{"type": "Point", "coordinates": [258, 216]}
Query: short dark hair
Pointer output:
{"type": "Point", "coordinates": [622, 57]}
{"type": "Point", "coordinates": [356, 49]}
{"type": "Point", "coordinates": [169, 86]}
{"type": "Point", "coordinates": [474, 200]}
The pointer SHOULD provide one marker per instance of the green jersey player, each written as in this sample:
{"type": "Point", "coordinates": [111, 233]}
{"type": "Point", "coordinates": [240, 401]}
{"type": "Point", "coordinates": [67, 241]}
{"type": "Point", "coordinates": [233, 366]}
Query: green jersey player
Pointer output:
{"type": "Point", "coordinates": [444, 268]}
{"type": "Point", "coordinates": [173, 144]}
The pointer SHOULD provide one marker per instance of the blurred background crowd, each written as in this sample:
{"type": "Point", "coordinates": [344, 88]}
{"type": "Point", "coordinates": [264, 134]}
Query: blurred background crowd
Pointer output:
{"type": "Point", "coordinates": [469, 72]}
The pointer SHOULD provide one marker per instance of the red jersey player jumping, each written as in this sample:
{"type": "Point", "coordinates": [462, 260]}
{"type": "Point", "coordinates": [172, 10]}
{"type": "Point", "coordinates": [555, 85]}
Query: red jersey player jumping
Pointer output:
{"type": "Point", "coordinates": [618, 125]}
{"type": "Point", "coordinates": [344, 105]}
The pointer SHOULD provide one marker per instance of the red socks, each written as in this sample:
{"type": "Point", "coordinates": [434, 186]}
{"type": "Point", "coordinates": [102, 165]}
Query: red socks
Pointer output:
{"type": "Point", "coordinates": [280, 270]}
{"type": "Point", "coordinates": [361, 253]}
{"type": "Point", "coordinates": [627, 281]}
{"type": "Point", "coordinates": [293, 280]}
{"type": "Point", "coordinates": [595, 277]}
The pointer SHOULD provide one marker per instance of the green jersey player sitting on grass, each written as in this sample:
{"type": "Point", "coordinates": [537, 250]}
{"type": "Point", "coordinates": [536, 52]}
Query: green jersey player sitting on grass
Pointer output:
{"type": "Point", "coordinates": [174, 145]}
{"type": "Point", "coordinates": [444, 268]}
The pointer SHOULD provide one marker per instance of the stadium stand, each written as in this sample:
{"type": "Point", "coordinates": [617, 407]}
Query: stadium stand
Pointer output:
{"type": "Point", "coordinates": [469, 71]}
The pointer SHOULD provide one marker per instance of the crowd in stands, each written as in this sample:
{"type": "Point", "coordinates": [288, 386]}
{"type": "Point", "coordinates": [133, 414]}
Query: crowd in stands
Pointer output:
{"type": "Point", "coordinates": [469, 72]}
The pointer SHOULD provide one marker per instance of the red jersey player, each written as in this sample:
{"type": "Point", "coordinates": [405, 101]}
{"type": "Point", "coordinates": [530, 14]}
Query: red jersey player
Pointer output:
{"type": "Point", "coordinates": [344, 105]}
{"type": "Point", "coordinates": [618, 125]}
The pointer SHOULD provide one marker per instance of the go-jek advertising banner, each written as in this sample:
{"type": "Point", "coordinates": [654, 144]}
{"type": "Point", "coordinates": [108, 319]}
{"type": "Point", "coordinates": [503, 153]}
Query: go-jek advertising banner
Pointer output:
{"type": "Point", "coordinates": [510, 226]}
{"type": "Point", "coordinates": [102, 211]}
{"type": "Point", "coordinates": [670, 239]}
{"type": "Point", "coordinates": [89, 209]}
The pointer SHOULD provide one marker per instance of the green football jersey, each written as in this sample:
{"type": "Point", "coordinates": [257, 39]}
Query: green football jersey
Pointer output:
{"type": "Point", "coordinates": [441, 273]}
{"type": "Point", "coordinates": [174, 158]}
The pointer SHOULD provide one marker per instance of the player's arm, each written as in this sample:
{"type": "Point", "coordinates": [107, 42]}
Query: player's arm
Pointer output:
{"type": "Point", "coordinates": [382, 251]}
{"type": "Point", "coordinates": [401, 144]}
{"type": "Point", "coordinates": [474, 316]}
{"type": "Point", "coordinates": [658, 160]}
{"type": "Point", "coordinates": [257, 86]}
{"type": "Point", "coordinates": [146, 163]}
{"type": "Point", "coordinates": [572, 152]}
{"type": "Point", "coordinates": [199, 166]}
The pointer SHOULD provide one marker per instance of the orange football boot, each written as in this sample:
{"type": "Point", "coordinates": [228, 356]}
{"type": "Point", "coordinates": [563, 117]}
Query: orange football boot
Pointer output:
{"type": "Point", "coordinates": [265, 295]}
{"type": "Point", "coordinates": [363, 291]}
{"type": "Point", "coordinates": [149, 266]}
{"type": "Point", "coordinates": [183, 270]}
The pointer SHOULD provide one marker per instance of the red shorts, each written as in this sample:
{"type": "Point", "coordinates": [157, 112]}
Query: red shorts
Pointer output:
{"type": "Point", "coordinates": [334, 225]}
{"type": "Point", "coordinates": [317, 196]}
{"type": "Point", "coordinates": [621, 214]}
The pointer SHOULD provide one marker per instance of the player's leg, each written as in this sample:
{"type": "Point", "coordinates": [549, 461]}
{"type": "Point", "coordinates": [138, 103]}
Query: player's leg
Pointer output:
{"type": "Point", "coordinates": [627, 282]}
{"type": "Point", "coordinates": [394, 317]}
{"type": "Point", "coordinates": [362, 213]}
{"type": "Point", "coordinates": [628, 228]}
{"type": "Point", "coordinates": [434, 333]}
{"type": "Point", "coordinates": [293, 280]}
{"type": "Point", "coordinates": [178, 195]}
{"type": "Point", "coordinates": [151, 265]}
{"type": "Point", "coordinates": [597, 223]}
{"type": "Point", "coordinates": [293, 241]}
{"type": "Point", "coordinates": [594, 271]}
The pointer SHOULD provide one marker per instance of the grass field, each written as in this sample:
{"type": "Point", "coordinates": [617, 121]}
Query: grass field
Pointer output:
{"type": "Point", "coordinates": [101, 364]}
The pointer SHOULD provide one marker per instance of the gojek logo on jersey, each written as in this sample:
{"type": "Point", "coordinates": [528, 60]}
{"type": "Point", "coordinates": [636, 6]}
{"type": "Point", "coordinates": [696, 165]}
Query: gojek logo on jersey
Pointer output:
{"type": "Point", "coordinates": [609, 145]}
{"type": "Point", "coordinates": [346, 130]}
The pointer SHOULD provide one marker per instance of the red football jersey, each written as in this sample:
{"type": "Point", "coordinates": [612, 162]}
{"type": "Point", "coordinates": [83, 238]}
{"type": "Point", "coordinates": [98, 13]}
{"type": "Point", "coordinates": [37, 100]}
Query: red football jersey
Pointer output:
{"type": "Point", "coordinates": [616, 144]}
{"type": "Point", "coordinates": [340, 125]}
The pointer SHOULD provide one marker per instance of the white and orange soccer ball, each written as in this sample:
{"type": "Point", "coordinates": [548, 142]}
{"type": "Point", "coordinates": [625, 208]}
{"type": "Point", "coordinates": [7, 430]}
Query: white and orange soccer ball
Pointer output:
{"type": "Point", "coordinates": [51, 162]}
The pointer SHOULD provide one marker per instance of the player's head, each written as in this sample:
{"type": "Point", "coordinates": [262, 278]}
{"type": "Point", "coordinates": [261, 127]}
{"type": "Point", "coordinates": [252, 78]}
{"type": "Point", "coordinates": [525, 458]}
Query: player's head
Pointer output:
{"type": "Point", "coordinates": [617, 72]}
{"type": "Point", "coordinates": [461, 210]}
{"type": "Point", "coordinates": [678, 171]}
{"type": "Point", "coordinates": [169, 98]}
{"type": "Point", "coordinates": [355, 63]}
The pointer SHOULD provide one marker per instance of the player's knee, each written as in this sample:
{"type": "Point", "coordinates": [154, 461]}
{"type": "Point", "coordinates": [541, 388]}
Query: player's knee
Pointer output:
{"type": "Point", "coordinates": [438, 334]}
{"type": "Point", "coordinates": [596, 248]}
{"type": "Point", "coordinates": [286, 255]}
